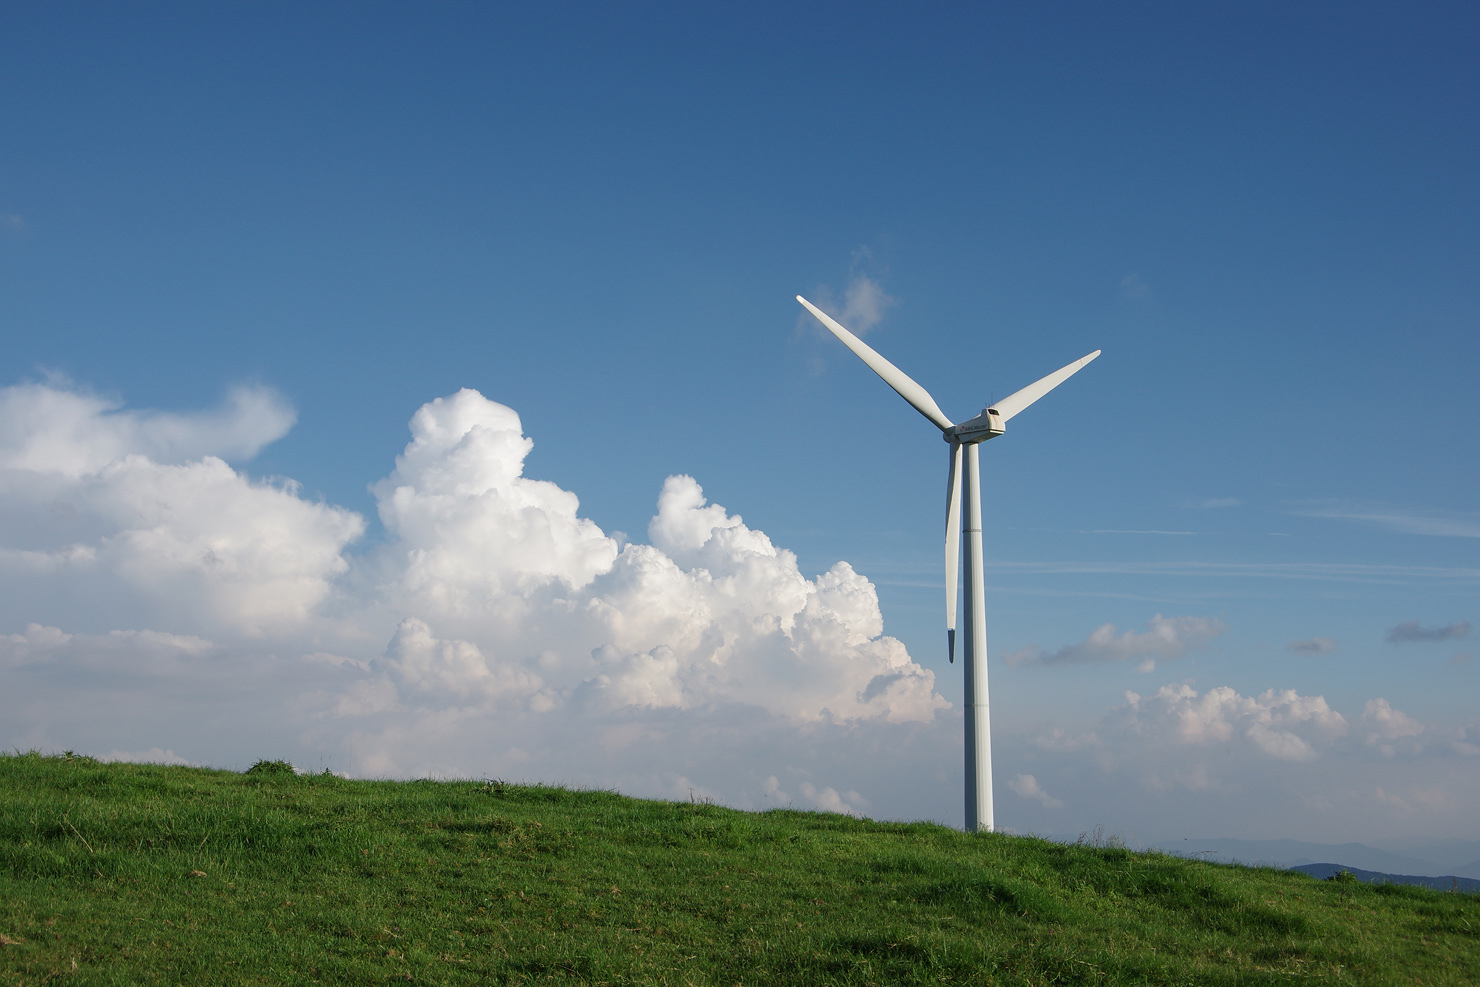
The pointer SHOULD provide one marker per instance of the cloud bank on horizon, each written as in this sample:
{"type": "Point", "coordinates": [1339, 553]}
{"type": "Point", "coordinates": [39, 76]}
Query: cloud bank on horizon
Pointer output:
{"type": "Point", "coordinates": [158, 599]}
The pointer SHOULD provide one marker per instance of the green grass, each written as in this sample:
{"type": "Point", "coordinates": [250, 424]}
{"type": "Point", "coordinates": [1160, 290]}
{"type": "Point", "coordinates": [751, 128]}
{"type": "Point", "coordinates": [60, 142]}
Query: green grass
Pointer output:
{"type": "Point", "coordinates": [135, 874]}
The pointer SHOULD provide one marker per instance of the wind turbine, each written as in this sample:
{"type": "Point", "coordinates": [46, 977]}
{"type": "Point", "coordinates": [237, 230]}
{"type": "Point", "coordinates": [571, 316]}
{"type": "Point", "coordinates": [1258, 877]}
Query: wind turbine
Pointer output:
{"type": "Point", "coordinates": [963, 440]}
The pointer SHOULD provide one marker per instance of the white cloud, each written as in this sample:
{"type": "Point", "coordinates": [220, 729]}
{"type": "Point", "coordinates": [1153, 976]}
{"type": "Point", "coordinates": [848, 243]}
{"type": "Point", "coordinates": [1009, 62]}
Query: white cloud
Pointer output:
{"type": "Point", "coordinates": [831, 800]}
{"type": "Point", "coordinates": [55, 428]}
{"type": "Point", "coordinates": [1167, 638]}
{"type": "Point", "coordinates": [1313, 646]}
{"type": "Point", "coordinates": [455, 672]}
{"type": "Point", "coordinates": [36, 643]}
{"type": "Point", "coordinates": [864, 304]}
{"type": "Point", "coordinates": [1389, 730]}
{"type": "Point", "coordinates": [471, 533]}
{"type": "Point", "coordinates": [1387, 723]}
{"type": "Point", "coordinates": [1027, 786]}
{"type": "Point", "coordinates": [1278, 723]}
{"type": "Point", "coordinates": [772, 791]}
{"type": "Point", "coordinates": [710, 612]}
{"type": "Point", "coordinates": [39, 643]}
{"type": "Point", "coordinates": [863, 307]}
{"type": "Point", "coordinates": [1271, 764]}
{"type": "Point", "coordinates": [138, 509]}
{"type": "Point", "coordinates": [493, 621]}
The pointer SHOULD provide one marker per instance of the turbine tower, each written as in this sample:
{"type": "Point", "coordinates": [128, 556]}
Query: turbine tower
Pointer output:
{"type": "Point", "coordinates": [962, 513]}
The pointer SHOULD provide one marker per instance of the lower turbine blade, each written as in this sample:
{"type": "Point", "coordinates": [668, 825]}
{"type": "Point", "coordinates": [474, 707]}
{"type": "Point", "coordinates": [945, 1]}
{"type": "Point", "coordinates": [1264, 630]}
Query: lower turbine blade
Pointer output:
{"type": "Point", "coordinates": [953, 546]}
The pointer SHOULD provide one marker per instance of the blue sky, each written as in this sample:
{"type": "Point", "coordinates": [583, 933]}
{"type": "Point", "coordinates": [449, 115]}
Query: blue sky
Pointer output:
{"type": "Point", "coordinates": [598, 218]}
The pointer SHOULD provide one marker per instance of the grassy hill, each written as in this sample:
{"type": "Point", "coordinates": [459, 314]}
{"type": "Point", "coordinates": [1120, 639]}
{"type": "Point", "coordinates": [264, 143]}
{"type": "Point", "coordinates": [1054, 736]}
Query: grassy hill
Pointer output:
{"type": "Point", "coordinates": [134, 874]}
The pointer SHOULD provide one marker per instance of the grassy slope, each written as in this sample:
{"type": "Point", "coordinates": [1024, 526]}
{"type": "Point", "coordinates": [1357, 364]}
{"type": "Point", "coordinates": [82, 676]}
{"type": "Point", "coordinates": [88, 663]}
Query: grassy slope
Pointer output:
{"type": "Point", "coordinates": [317, 879]}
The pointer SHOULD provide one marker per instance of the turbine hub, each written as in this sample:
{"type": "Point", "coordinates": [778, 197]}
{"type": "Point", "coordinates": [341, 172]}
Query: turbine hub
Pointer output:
{"type": "Point", "coordinates": [987, 425]}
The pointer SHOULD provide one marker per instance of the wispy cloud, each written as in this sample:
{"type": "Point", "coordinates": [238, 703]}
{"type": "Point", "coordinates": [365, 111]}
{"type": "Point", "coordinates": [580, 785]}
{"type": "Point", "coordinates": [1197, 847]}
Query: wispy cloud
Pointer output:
{"type": "Point", "coordinates": [864, 304]}
{"type": "Point", "coordinates": [12, 223]}
{"type": "Point", "coordinates": [1404, 520]}
{"type": "Point", "coordinates": [1131, 286]}
{"type": "Point", "coordinates": [1027, 786]}
{"type": "Point", "coordinates": [1165, 639]}
{"type": "Point", "coordinates": [1414, 631]}
{"type": "Point", "coordinates": [1213, 503]}
{"type": "Point", "coordinates": [860, 310]}
{"type": "Point", "coordinates": [1314, 571]}
{"type": "Point", "coordinates": [1313, 646]}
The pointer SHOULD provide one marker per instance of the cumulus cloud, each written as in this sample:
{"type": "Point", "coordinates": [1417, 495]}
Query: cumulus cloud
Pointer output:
{"type": "Point", "coordinates": [1279, 724]}
{"type": "Point", "coordinates": [1414, 631]}
{"type": "Point", "coordinates": [1027, 786]}
{"type": "Point", "coordinates": [94, 500]}
{"type": "Point", "coordinates": [56, 428]}
{"type": "Point", "coordinates": [1313, 646]}
{"type": "Point", "coordinates": [1165, 639]}
{"type": "Point", "coordinates": [457, 673]}
{"type": "Point", "coordinates": [1263, 764]}
{"type": "Point", "coordinates": [1389, 730]}
{"type": "Point", "coordinates": [536, 598]}
{"type": "Point", "coordinates": [831, 800]}
{"type": "Point", "coordinates": [492, 620]}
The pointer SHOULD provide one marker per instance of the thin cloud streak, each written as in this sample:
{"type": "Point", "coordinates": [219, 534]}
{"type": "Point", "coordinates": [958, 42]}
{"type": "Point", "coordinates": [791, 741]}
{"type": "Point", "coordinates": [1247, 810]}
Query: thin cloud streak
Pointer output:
{"type": "Point", "coordinates": [1167, 638]}
{"type": "Point", "coordinates": [1412, 631]}
{"type": "Point", "coordinates": [1400, 520]}
{"type": "Point", "coordinates": [1329, 571]}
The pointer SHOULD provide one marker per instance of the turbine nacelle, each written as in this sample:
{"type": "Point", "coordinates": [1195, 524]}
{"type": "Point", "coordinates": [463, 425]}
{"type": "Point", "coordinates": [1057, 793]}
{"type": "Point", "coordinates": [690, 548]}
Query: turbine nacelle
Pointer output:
{"type": "Point", "coordinates": [987, 425]}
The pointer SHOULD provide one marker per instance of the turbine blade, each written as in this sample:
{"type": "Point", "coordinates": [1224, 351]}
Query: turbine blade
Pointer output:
{"type": "Point", "coordinates": [917, 396]}
{"type": "Point", "coordinates": [953, 546]}
{"type": "Point", "coordinates": [1016, 402]}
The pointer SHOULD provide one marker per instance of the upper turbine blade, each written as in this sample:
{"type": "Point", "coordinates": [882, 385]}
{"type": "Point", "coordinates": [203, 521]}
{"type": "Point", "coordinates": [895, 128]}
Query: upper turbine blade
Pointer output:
{"type": "Point", "coordinates": [916, 395]}
{"type": "Point", "coordinates": [953, 546]}
{"type": "Point", "coordinates": [1016, 402]}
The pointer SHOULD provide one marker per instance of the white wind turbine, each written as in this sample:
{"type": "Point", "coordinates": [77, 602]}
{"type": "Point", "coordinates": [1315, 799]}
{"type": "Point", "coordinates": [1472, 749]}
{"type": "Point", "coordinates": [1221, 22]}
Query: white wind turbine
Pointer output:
{"type": "Point", "coordinates": [963, 437]}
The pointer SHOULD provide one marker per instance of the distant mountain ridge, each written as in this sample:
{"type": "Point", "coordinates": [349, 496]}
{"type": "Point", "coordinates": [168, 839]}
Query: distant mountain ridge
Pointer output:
{"type": "Point", "coordinates": [1449, 882]}
{"type": "Point", "coordinates": [1435, 859]}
